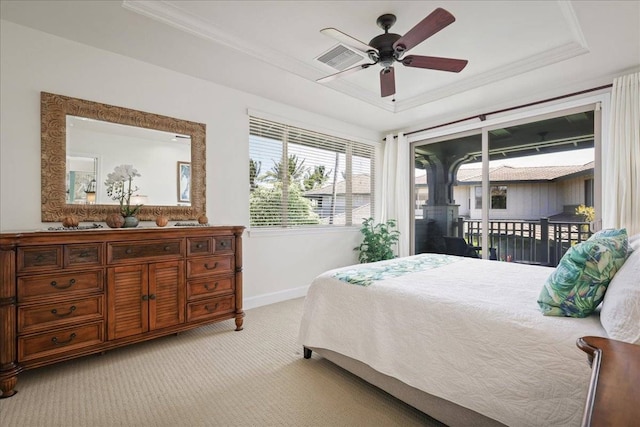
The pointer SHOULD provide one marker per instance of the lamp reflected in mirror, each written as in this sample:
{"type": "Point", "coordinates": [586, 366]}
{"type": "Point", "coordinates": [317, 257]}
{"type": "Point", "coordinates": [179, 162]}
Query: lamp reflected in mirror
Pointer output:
{"type": "Point", "coordinates": [91, 192]}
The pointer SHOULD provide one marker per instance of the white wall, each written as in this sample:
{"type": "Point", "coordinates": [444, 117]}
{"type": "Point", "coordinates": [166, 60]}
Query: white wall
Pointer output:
{"type": "Point", "coordinates": [275, 266]}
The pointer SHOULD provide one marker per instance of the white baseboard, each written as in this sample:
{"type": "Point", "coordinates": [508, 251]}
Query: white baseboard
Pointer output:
{"type": "Point", "coordinates": [272, 298]}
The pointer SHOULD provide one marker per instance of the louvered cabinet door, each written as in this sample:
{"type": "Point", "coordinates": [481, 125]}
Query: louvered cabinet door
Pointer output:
{"type": "Point", "coordinates": [166, 294]}
{"type": "Point", "coordinates": [127, 297]}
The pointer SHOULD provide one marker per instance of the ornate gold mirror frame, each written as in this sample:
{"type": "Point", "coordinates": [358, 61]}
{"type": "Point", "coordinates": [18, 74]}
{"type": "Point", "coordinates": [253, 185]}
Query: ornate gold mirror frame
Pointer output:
{"type": "Point", "coordinates": [54, 110]}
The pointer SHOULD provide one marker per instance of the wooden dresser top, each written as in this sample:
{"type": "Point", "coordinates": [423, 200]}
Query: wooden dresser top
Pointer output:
{"type": "Point", "coordinates": [614, 392]}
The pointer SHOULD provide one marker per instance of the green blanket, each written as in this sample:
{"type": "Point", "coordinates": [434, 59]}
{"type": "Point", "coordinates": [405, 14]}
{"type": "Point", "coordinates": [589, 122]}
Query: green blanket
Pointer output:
{"type": "Point", "coordinates": [366, 274]}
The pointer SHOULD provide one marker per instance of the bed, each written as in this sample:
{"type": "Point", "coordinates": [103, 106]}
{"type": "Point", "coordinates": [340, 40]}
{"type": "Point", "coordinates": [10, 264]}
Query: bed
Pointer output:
{"type": "Point", "coordinates": [461, 339]}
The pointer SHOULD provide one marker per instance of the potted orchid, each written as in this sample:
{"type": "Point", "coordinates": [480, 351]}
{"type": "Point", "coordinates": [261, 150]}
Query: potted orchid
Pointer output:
{"type": "Point", "coordinates": [120, 188]}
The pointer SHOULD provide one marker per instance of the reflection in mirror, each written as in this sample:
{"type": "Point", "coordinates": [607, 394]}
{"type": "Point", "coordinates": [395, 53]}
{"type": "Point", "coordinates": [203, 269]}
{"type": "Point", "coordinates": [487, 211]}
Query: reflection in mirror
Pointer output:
{"type": "Point", "coordinates": [81, 180]}
{"type": "Point", "coordinates": [83, 141]}
{"type": "Point", "coordinates": [96, 147]}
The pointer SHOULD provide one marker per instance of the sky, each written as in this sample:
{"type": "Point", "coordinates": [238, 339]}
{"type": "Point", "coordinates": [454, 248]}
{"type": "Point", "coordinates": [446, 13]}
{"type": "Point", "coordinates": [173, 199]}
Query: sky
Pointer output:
{"type": "Point", "coordinates": [576, 157]}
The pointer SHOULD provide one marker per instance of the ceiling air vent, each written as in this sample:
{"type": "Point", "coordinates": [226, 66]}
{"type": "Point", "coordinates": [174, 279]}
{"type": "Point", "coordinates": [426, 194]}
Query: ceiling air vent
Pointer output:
{"type": "Point", "coordinates": [340, 57]}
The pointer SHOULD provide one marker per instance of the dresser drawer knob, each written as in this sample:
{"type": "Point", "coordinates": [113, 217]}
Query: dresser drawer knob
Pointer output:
{"type": "Point", "coordinates": [215, 264]}
{"type": "Point", "coordinates": [152, 296]}
{"type": "Point", "coordinates": [40, 257]}
{"type": "Point", "coordinates": [71, 310]}
{"type": "Point", "coordinates": [222, 243]}
{"type": "Point", "coordinates": [128, 251]}
{"type": "Point", "coordinates": [71, 283]}
{"type": "Point", "coordinates": [199, 245]}
{"type": "Point", "coordinates": [211, 310]}
{"type": "Point", "coordinates": [211, 288]}
{"type": "Point", "coordinates": [84, 254]}
{"type": "Point", "coordinates": [145, 297]}
{"type": "Point", "coordinates": [167, 248]}
{"type": "Point", "coordinates": [56, 342]}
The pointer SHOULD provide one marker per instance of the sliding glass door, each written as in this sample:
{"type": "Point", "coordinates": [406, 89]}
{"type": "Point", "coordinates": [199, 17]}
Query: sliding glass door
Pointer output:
{"type": "Point", "coordinates": [528, 199]}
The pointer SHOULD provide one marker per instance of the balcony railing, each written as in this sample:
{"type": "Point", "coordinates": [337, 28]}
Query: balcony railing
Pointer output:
{"type": "Point", "coordinates": [540, 242]}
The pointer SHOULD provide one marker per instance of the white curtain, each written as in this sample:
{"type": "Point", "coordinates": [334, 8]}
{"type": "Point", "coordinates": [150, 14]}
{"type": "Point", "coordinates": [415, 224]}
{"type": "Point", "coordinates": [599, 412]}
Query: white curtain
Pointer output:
{"type": "Point", "coordinates": [394, 198]}
{"type": "Point", "coordinates": [621, 157]}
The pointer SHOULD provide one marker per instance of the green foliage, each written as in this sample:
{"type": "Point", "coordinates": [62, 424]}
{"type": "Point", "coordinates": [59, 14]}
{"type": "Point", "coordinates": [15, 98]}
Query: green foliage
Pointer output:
{"type": "Point", "coordinates": [254, 173]}
{"type": "Point", "coordinates": [317, 178]}
{"type": "Point", "coordinates": [378, 241]}
{"type": "Point", "coordinates": [296, 170]}
{"type": "Point", "coordinates": [589, 215]}
{"type": "Point", "coordinates": [265, 207]}
{"type": "Point", "coordinates": [587, 212]}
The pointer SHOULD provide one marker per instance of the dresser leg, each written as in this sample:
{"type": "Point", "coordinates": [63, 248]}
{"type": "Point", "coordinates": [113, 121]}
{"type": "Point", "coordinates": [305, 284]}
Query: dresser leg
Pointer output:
{"type": "Point", "coordinates": [307, 352]}
{"type": "Point", "coordinates": [7, 386]}
{"type": "Point", "coordinates": [239, 320]}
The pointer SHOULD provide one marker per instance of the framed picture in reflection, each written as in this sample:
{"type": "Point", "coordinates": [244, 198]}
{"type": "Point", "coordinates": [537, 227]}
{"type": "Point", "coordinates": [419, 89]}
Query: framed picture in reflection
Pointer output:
{"type": "Point", "coordinates": [184, 182]}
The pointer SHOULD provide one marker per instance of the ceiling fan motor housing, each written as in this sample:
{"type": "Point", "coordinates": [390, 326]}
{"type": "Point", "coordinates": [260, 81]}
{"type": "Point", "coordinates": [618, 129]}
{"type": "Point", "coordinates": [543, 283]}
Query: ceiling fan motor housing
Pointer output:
{"type": "Point", "coordinates": [383, 43]}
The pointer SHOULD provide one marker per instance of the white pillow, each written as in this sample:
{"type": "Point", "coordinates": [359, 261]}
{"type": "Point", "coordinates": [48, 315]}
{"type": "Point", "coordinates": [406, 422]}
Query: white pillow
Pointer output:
{"type": "Point", "coordinates": [620, 313]}
{"type": "Point", "coordinates": [634, 242]}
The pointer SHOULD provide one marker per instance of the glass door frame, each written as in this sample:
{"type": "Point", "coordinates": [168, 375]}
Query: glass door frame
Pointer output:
{"type": "Point", "coordinates": [597, 103]}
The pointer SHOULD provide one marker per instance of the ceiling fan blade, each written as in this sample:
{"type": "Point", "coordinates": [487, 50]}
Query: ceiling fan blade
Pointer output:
{"type": "Point", "coordinates": [344, 72]}
{"type": "Point", "coordinates": [347, 39]}
{"type": "Point", "coordinates": [436, 21]}
{"type": "Point", "coordinates": [387, 82]}
{"type": "Point", "coordinates": [435, 63]}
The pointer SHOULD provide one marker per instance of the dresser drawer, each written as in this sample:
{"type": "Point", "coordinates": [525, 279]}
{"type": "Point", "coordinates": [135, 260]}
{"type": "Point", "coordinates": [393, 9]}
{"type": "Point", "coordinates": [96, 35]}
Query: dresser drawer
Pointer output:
{"type": "Point", "coordinates": [59, 284]}
{"type": "Point", "coordinates": [83, 255]}
{"type": "Point", "coordinates": [200, 246]}
{"type": "Point", "coordinates": [224, 243]}
{"type": "Point", "coordinates": [37, 317]}
{"type": "Point", "coordinates": [206, 266]}
{"type": "Point", "coordinates": [59, 341]}
{"type": "Point", "coordinates": [207, 288]}
{"type": "Point", "coordinates": [210, 308]}
{"type": "Point", "coordinates": [141, 250]}
{"type": "Point", "coordinates": [40, 258]}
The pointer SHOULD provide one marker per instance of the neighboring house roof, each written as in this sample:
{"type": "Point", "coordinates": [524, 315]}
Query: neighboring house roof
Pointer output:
{"type": "Point", "coordinates": [519, 174]}
{"type": "Point", "coordinates": [528, 173]}
{"type": "Point", "coordinates": [361, 184]}
{"type": "Point", "coordinates": [361, 212]}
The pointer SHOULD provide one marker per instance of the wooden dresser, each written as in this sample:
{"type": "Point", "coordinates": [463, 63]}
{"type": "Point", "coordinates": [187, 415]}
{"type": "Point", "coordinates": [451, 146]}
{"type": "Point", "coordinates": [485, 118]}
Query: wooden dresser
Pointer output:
{"type": "Point", "coordinates": [613, 399]}
{"type": "Point", "coordinates": [65, 294]}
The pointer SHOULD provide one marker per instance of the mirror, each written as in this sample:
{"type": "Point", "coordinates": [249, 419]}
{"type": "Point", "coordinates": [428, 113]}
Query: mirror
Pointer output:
{"type": "Point", "coordinates": [83, 141]}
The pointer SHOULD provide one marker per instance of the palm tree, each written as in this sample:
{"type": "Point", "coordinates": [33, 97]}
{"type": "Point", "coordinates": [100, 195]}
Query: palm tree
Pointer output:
{"type": "Point", "coordinates": [295, 168]}
{"type": "Point", "coordinates": [254, 173]}
{"type": "Point", "coordinates": [317, 178]}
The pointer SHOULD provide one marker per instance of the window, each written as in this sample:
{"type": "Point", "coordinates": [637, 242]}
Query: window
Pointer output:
{"type": "Point", "coordinates": [304, 178]}
{"type": "Point", "coordinates": [498, 197]}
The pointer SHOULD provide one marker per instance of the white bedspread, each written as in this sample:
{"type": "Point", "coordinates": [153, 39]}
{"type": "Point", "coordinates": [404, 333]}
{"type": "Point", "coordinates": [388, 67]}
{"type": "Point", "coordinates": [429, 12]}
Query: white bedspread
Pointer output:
{"type": "Point", "coordinates": [469, 332]}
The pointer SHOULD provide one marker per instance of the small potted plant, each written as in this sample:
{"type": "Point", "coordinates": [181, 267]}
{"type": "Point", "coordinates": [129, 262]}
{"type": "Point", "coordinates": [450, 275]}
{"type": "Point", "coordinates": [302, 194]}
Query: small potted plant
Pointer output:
{"type": "Point", "coordinates": [120, 188]}
{"type": "Point", "coordinates": [378, 241]}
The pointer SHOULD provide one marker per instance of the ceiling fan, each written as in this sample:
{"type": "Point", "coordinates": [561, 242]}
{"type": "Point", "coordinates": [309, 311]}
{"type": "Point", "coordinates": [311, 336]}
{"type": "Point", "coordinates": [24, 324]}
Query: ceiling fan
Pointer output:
{"type": "Point", "coordinates": [388, 48]}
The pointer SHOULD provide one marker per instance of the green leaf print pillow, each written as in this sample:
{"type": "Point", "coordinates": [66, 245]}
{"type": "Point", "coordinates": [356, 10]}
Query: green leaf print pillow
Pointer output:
{"type": "Point", "coordinates": [577, 286]}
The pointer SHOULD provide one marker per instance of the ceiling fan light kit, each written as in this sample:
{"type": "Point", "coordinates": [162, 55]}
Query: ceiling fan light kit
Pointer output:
{"type": "Point", "coordinates": [388, 48]}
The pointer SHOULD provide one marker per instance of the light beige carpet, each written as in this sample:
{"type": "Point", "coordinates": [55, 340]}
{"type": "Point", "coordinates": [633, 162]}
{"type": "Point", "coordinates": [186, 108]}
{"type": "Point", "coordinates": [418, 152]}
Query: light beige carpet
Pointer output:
{"type": "Point", "coordinates": [210, 376]}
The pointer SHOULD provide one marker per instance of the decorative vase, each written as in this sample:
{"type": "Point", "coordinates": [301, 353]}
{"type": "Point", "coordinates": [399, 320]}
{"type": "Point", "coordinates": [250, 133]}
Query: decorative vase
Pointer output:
{"type": "Point", "coordinates": [130, 222]}
{"type": "Point", "coordinates": [115, 220]}
{"type": "Point", "coordinates": [70, 221]}
{"type": "Point", "coordinates": [162, 220]}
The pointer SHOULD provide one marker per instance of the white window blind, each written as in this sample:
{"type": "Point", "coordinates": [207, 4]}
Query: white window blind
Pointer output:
{"type": "Point", "coordinates": [305, 178]}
